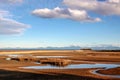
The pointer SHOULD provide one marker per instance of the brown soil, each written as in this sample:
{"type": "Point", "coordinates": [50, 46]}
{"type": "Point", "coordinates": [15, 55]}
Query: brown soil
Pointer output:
{"type": "Point", "coordinates": [9, 70]}
{"type": "Point", "coordinates": [113, 71]}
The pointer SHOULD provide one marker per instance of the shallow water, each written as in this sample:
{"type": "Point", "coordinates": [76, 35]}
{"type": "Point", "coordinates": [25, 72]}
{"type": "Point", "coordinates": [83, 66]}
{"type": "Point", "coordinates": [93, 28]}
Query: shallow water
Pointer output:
{"type": "Point", "coordinates": [74, 66]}
{"type": "Point", "coordinates": [51, 56]}
{"type": "Point", "coordinates": [80, 66]}
{"type": "Point", "coordinates": [16, 55]}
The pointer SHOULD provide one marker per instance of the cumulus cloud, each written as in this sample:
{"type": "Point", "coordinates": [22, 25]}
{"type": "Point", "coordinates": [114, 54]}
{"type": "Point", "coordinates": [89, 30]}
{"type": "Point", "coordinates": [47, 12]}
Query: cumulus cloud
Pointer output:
{"type": "Point", "coordinates": [73, 14]}
{"type": "Point", "coordinates": [107, 7]}
{"type": "Point", "coordinates": [10, 26]}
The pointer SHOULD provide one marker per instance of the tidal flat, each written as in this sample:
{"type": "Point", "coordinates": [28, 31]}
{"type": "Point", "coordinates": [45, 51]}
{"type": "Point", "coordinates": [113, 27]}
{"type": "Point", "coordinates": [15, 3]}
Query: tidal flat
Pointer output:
{"type": "Point", "coordinates": [59, 65]}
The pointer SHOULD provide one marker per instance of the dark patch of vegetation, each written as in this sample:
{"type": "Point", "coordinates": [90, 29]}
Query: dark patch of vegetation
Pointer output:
{"type": "Point", "coordinates": [86, 49]}
{"type": "Point", "coordinates": [15, 75]}
{"type": "Point", "coordinates": [108, 50]}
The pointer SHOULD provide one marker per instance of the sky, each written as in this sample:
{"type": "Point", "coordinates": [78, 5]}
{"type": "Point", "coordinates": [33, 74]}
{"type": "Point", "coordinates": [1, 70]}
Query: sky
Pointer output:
{"type": "Point", "coordinates": [59, 23]}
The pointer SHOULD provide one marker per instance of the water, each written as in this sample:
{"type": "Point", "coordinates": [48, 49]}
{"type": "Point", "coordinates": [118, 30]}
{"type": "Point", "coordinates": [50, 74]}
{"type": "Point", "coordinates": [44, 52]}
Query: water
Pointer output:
{"type": "Point", "coordinates": [51, 56]}
{"type": "Point", "coordinates": [75, 66]}
{"type": "Point", "coordinates": [80, 66]}
{"type": "Point", "coordinates": [16, 55]}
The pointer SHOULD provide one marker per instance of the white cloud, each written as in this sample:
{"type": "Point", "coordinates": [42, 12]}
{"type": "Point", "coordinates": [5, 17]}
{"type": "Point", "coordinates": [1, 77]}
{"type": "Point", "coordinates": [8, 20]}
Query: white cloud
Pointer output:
{"type": "Point", "coordinates": [114, 1]}
{"type": "Point", "coordinates": [7, 4]}
{"type": "Point", "coordinates": [10, 26]}
{"type": "Point", "coordinates": [73, 14]}
{"type": "Point", "coordinates": [4, 13]}
{"type": "Point", "coordinates": [107, 7]}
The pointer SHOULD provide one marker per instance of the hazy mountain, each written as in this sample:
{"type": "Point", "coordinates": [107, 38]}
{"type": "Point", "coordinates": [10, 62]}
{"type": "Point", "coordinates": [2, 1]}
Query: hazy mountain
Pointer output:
{"type": "Point", "coordinates": [100, 47]}
{"type": "Point", "coordinates": [63, 48]}
{"type": "Point", "coordinates": [106, 47]}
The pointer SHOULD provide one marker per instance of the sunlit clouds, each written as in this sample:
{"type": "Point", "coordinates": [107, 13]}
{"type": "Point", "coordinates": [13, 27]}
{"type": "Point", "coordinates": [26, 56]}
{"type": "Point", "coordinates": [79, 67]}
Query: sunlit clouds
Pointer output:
{"type": "Point", "coordinates": [78, 10]}
{"type": "Point", "coordinates": [9, 26]}
{"type": "Point", "coordinates": [108, 7]}
{"type": "Point", "coordinates": [43, 23]}
{"type": "Point", "coordinates": [73, 14]}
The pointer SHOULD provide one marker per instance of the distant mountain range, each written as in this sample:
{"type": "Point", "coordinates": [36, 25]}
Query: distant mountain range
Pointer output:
{"type": "Point", "coordinates": [105, 47]}
{"type": "Point", "coordinates": [100, 47]}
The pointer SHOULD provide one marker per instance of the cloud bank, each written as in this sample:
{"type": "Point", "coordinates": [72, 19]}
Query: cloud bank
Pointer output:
{"type": "Point", "coordinates": [73, 14]}
{"type": "Point", "coordinates": [10, 26]}
{"type": "Point", "coordinates": [107, 7]}
{"type": "Point", "coordinates": [79, 10]}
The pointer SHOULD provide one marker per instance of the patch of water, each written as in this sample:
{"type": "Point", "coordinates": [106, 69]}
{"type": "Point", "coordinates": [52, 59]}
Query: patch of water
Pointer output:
{"type": "Point", "coordinates": [14, 55]}
{"type": "Point", "coordinates": [79, 66]}
{"type": "Point", "coordinates": [51, 56]}
{"type": "Point", "coordinates": [75, 66]}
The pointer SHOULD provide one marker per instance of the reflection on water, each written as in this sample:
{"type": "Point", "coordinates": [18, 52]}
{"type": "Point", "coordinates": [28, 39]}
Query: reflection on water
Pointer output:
{"type": "Point", "coordinates": [79, 66]}
{"type": "Point", "coordinates": [75, 66]}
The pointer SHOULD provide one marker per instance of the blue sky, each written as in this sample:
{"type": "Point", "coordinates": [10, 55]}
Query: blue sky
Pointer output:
{"type": "Point", "coordinates": [42, 23]}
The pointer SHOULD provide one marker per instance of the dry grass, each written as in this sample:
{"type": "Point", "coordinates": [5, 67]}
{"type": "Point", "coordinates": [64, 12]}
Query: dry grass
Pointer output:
{"type": "Point", "coordinates": [16, 73]}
